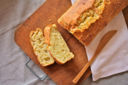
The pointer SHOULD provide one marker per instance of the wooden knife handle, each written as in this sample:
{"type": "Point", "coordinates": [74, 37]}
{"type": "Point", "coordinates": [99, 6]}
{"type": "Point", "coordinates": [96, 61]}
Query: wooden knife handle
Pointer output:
{"type": "Point", "coordinates": [79, 75]}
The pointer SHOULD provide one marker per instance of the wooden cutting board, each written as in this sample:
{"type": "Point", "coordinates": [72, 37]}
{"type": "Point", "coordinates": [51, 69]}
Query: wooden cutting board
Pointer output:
{"type": "Point", "coordinates": [48, 13]}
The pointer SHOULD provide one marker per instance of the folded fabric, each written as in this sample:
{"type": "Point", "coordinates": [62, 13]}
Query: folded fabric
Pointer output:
{"type": "Point", "coordinates": [113, 58]}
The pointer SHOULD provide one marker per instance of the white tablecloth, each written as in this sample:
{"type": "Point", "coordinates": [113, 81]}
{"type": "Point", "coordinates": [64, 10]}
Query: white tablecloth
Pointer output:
{"type": "Point", "coordinates": [12, 59]}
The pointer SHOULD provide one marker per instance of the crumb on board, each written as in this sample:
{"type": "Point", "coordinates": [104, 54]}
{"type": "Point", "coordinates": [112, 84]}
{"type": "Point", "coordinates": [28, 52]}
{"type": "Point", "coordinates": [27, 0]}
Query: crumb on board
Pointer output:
{"type": "Point", "coordinates": [49, 20]}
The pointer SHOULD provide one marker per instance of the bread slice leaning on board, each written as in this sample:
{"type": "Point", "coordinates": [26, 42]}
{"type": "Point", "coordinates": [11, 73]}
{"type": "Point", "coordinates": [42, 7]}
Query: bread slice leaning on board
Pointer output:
{"type": "Point", "coordinates": [51, 47]}
{"type": "Point", "coordinates": [57, 45]}
{"type": "Point", "coordinates": [40, 47]}
{"type": "Point", "coordinates": [86, 18]}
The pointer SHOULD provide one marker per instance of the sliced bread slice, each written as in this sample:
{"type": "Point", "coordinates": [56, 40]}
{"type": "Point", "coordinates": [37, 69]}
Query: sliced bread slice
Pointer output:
{"type": "Point", "coordinates": [57, 45]}
{"type": "Point", "coordinates": [40, 47]}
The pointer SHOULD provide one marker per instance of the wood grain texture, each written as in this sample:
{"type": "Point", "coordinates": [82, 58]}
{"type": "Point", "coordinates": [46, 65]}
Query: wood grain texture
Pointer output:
{"type": "Point", "coordinates": [48, 13]}
{"type": "Point", "coordinates": [111, 10]}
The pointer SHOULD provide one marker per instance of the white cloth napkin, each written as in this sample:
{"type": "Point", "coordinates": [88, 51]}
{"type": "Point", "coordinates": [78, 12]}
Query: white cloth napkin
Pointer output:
{"type": "Point", "coordinates": [114, 57]}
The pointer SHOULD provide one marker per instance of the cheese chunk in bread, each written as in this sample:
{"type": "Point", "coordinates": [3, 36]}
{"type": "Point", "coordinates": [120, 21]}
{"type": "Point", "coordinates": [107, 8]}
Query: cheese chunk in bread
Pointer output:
{"type": "Point", "coordinates": [84, 17]}
{"type": "Point", "coordinates": [40, 47]}
{"type": "Point", "coordinates": [57, 45]}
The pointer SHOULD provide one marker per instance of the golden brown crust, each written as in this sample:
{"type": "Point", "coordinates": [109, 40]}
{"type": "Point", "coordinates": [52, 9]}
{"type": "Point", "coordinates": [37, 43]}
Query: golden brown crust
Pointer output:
{"type": "Point", "coordinates": [47, 31]}
{"type": "Point", "coordinates": [78, 20]}
{"type": "Point", "coordinates": [74, 13]}
{"type": "Point", "coordinates": [112, 8]}
{"type": "Point", "coordinates": [58, 62]}
{"type": "Point", "coordinates": [47, 34]}
{"type": "Point", "coordinates": [47, 40]}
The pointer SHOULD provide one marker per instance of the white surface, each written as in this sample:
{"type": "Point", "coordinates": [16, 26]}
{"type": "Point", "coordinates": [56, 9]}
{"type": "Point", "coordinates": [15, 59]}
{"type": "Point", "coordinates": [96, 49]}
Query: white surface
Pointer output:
{"type": "Point", "coordinates": [114, 57]}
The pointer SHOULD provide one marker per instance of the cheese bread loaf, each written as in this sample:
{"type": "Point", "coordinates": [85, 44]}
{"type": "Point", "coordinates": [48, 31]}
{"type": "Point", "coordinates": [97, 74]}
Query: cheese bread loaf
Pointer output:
{"type": "Point", "coordinates": [80, 19]}
{"type": "Point", "coordinates": [86, 18]}
{"type": "Point", "coordinates": [57, 45]}
{"type": "Point", "coordinates": [40, 47]}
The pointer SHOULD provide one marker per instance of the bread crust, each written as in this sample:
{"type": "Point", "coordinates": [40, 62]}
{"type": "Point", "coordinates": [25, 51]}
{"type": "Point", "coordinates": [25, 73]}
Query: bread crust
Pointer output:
{"type": "Point", "coordinates": [74, 12]}
{"type": "Point", "coordinates": [47, 38]}
{"type": "Point", "coordinates": [58, 62]}
{"type": "Point", "coordinates": [47, 32]}
{"type": "Point", "coordinates": [112, 8]}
